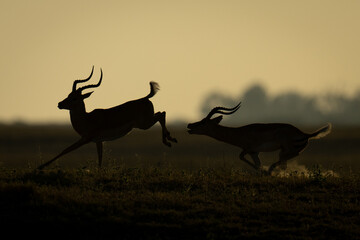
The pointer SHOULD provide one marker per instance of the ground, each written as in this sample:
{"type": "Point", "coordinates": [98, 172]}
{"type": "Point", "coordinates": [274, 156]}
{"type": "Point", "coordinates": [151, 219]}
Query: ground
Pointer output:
{"type": "Point", "coordinates": [152, 203]}
{"type": "Point", "coordinates": [198, 189]}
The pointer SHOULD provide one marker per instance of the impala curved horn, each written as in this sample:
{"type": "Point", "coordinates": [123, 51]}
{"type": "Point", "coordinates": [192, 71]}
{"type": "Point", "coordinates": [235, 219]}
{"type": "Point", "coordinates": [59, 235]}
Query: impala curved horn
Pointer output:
{"type": "Point", "coordinates": [93, 85]}
{"type": "Point", "coordinates": [221, 110]}
{"type": "Point", "coordinates": [83, 80]}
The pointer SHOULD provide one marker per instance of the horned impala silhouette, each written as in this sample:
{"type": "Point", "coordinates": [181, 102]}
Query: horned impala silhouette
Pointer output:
{"type": "Point", "coordinates": [258, 137]}
{"type": "Point", "coordinates": [109, 124]}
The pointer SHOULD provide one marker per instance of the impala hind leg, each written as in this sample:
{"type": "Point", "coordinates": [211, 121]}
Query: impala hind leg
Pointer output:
{"type": "Point", "coordinates": [161, 118]}
{"type": "Point", "coordinates": [284, 156]}
{"type": "Point", "coordinates": [289, 152]}
{"type": "Point", "coordinates": [76, 145]}
{"type": "Point", "coordinates": [158, 117]}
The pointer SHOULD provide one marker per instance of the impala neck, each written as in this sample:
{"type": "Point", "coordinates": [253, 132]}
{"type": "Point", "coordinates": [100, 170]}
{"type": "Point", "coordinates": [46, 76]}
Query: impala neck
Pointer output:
{"type": "Point", "coordinates": [77, 116]}
{"type": "Point", "coordinates": [222, 133]}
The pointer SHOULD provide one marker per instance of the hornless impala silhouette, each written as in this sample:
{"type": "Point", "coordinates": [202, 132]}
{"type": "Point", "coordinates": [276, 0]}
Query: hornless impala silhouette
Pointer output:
{"type": "Point", "coordinates": [109, 124]}
{"type": "Point", "coordinates": [256, 138]}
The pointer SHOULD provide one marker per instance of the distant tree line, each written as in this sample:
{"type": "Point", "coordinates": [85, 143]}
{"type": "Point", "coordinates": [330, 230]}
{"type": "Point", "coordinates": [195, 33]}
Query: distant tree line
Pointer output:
{"type": "Point", "coordinates": [291, 107]}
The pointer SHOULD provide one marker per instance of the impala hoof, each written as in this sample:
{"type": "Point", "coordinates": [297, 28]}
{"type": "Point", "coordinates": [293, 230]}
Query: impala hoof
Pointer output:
{"type": "Point", "coordinates": [167, 143]}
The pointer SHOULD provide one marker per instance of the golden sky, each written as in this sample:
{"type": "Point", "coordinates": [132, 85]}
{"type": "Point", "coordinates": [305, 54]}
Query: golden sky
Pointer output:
{"type": "Point", "coordinates": [191, 48]}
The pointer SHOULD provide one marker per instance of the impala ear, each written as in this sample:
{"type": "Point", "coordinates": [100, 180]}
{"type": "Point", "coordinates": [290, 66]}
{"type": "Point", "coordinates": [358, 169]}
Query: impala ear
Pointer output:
{"type": "Point", "coordinates": [86, 95]}
{"type": "Point", "coordinates": [217, 120]}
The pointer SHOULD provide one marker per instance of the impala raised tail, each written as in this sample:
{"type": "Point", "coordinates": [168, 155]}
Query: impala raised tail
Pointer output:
{"type": "Point", "coordinates": [256, 138]}
{"type": "Point", "coordinates": [109, 124]}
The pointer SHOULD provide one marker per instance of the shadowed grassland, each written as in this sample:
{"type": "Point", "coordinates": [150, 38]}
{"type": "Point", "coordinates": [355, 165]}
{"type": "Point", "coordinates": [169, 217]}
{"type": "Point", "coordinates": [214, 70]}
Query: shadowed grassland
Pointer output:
{"type": "Point", "coordinates": [198, 189]}
{"type": "Point", "coordinates": [153, 203]}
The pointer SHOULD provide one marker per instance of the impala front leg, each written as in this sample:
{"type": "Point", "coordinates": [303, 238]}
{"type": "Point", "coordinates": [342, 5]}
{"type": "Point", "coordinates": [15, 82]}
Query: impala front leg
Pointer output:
{"type": "Point", "coordinates": [242, 157]}
{"type": "Point", "coordinates": [76, 145]}
{"type": "Point", "coordinates": [99, 146]}
{"type": "Point", "coordinates": [256, 159]}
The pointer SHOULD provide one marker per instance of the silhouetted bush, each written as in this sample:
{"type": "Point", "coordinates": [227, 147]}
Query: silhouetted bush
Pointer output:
{"type": "Point", "coordinates": [292, 107]}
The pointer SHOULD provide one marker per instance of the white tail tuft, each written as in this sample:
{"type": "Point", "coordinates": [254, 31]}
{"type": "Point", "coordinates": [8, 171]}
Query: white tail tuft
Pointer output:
{"type": "Point", "coordinates": [322, 132]}
{"type": "Point", "coordinates": [154, 88]}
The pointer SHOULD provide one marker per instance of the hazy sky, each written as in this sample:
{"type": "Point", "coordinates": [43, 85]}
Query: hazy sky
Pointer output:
{"type": "Point", "coordinates": [191, 48]}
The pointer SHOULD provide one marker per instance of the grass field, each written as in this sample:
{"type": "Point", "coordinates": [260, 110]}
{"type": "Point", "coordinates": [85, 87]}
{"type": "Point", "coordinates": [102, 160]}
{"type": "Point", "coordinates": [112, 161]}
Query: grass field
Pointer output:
{"type": "Point", "coordinates": [196, 190]}
{"type": "Point", "coordinates": [152, 203]}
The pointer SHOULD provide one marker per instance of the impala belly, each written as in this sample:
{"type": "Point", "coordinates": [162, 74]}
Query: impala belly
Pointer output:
{"type": "Point", "coordinates": [112, 134]}
{"type": "Point", "coordinates": [267, 147]}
